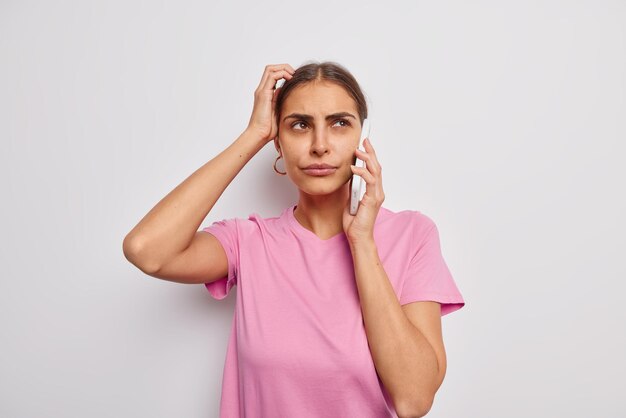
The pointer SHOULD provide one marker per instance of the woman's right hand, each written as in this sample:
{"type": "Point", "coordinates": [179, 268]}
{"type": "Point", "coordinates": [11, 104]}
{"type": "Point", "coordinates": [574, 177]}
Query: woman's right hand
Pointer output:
{"type": "Point", "coordinates": [263, 119]}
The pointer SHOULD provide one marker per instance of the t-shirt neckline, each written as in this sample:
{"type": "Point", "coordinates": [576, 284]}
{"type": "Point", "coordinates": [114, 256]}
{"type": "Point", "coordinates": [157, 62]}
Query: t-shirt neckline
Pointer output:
{"type": "Point", "coordinates": [305, 233]}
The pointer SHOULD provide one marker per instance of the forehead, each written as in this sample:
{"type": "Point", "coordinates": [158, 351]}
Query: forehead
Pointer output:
{"type": "Point", "coordinates": [319, 97]}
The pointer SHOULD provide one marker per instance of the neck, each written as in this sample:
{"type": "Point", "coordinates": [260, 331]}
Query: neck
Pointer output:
{"type": "Point", "coordinates": [323, 214]}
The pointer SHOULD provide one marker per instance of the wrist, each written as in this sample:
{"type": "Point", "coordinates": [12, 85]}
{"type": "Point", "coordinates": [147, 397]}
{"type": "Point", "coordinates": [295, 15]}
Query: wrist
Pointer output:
{"type": "Point", "coordinates": [255, 136]}
{"type": "Point", "coordinates": [366, 242]}
{"type": "Point", "coordinates": [259, 134]}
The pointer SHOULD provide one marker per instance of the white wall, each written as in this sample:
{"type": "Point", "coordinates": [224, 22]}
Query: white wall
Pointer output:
{"type": "Point", "coordinates": [507, 117]}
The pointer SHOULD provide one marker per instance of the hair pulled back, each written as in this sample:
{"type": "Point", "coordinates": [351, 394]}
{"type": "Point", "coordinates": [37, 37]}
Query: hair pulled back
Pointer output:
{"type": "Point", "coordinates": [322, 71]}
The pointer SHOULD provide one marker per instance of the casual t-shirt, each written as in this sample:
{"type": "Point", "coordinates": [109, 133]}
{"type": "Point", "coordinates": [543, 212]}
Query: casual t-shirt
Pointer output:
{"type": "Point", "coordinates": [298, 346]}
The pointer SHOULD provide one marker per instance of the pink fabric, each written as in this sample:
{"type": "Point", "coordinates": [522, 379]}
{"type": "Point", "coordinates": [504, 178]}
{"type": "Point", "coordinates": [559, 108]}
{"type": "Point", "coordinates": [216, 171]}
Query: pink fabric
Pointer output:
{"type": "Point", "coordinates": [298, 346]}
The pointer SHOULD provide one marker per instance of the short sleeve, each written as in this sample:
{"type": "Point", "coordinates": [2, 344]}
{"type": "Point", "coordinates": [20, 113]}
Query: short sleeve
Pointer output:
{"type": "Point", "coordinates": [428, 277]}
{"type": "Point", "coordinates": [226, 232]}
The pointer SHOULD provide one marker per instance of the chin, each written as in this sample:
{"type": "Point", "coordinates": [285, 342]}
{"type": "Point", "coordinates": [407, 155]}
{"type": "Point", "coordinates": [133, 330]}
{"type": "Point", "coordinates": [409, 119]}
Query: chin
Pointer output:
{"type": "Point", "coordinates": [321, 186]}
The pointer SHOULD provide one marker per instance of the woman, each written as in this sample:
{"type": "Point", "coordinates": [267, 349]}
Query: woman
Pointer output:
{"type": "Point", "coordinates": [336, 315]}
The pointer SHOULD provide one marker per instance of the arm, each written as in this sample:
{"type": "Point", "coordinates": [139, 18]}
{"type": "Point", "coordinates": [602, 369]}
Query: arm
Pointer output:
{"type": "Point", "coordinates": [408, 365]}
{"type": "Point", "coordinates": [169, 228]}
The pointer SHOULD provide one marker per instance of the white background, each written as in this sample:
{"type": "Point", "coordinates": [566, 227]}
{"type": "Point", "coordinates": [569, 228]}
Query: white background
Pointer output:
{"type": "Point", "coordinates": [502, 121]}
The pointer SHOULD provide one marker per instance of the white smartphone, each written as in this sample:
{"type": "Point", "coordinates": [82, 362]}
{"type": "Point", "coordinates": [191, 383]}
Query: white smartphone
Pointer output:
{"type": "Point", "coordinates": [357, 188]}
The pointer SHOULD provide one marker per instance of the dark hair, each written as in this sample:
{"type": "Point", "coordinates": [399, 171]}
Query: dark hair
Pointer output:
{"type": "Point", "coordinates": [322, 71]}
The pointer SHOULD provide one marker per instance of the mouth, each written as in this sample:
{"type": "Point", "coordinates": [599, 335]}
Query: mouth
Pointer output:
{"type": "Point", "coordinates": [319, 171]}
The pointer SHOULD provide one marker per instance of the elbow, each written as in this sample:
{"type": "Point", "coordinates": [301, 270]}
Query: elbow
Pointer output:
{"type": "Point", "coordinates": [414, 409]}
{"type": "Point", "coordinates": [129, 248]}
{"type": "Point", "coordinates": [134, 252]}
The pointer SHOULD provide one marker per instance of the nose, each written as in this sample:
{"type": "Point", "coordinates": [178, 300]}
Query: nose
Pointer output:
{"type": "Point", "coordinates": [320, 141]}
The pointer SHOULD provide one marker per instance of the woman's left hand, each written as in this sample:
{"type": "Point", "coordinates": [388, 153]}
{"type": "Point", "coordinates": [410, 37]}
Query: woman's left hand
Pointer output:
{"type": "Point", "coordinates": [361, 226]}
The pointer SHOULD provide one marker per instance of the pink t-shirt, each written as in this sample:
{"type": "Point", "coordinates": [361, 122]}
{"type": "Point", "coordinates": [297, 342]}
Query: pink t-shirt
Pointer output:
{"type": "Point", "coordinates": [298, 346]}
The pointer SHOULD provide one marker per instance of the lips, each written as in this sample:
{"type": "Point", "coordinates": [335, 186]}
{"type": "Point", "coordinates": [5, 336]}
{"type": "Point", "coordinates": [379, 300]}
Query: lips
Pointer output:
{"type": "Point", "coordinates": [319, 169]}
{"type": "Point", "coordinates": [316, 166]}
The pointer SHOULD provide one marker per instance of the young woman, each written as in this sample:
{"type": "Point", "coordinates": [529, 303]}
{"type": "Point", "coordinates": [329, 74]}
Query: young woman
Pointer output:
{"type": "Point", "coordinates": [336, 315]}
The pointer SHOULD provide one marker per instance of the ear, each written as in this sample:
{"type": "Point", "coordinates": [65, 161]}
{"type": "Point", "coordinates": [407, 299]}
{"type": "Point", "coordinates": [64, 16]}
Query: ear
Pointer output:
{"type": "Point", "coordinates": [277, 143]}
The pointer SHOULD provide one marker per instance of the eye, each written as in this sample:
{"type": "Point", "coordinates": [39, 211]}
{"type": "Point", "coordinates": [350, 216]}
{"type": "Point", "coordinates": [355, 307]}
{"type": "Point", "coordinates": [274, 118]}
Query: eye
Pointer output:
{"type": "Point", "coordinates": [345, 121]}
{"type": "Point", "coordinates": [300, 122]}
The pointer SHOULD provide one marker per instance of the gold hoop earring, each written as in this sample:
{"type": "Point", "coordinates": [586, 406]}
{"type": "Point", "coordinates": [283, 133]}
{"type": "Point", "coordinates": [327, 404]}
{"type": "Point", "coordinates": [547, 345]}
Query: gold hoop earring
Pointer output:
{"type": "Point", "coordinates": [278, 158]}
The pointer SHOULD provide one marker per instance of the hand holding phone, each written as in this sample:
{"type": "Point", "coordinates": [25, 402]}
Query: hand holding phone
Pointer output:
{"type": "Point", "coordinates": [357, 188]}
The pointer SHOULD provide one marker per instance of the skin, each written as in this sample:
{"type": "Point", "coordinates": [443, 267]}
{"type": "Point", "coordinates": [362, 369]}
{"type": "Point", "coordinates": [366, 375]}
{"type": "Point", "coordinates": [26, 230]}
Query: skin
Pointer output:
{"type": "Point", "coordinates": [405, 340]}
{"type": "Point", "coordinates": [323, 204]}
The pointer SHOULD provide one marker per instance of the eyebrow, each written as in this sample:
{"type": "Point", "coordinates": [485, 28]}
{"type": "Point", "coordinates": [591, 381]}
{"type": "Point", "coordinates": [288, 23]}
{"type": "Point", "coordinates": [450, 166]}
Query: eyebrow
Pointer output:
{"type": "Point", "coordinates": [309, 117]}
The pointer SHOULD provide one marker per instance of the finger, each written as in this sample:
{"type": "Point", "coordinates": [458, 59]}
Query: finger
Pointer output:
{"type": "Point", "coordinates": [369, 159]}
{"type": "Point", "coordinates": [281, 67]}
{"type": "Point", "coordinates": [368, 146]}
{"type": "Point", "coordinates": [269, 69]}
{"type": "Point", "coordinates": [268, 80]}
{"type": "Point", "coordinates": [276, 94]}
{"type": "Point", "coordinates": [369, 155]}
{"type": "Point", "coordinates": [273, 77]}
{"type": "Point", "coordinates": [363, 172]}
{"type": "Point", "coordinates": [373, 188]}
